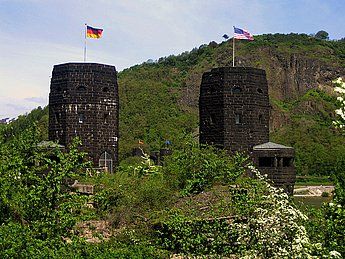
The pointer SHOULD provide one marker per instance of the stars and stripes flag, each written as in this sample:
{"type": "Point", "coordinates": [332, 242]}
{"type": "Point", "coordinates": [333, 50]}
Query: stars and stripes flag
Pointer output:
{"type": "Point", "coordinates": [241, 34]}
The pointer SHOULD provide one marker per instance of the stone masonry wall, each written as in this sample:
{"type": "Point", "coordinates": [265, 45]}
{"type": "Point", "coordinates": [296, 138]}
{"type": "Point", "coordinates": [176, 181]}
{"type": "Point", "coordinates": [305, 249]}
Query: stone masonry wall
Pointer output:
{"type": "Point", "coordinates": [234, 108]}
{"type": "Point", "coordinates": [84, 102]}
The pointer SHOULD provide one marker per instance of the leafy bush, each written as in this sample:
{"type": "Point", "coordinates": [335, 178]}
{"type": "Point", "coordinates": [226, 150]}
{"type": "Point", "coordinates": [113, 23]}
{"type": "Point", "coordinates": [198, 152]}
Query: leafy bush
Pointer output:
{"type": "Point", "coordinates": [34, 188]}
{"type": "Point", "coordinates": [190, 235]}
{"type": "Point", "coordinates": [197, 168]}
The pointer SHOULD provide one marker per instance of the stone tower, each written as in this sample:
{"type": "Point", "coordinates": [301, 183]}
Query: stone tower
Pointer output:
{"type": "Point", "coordinates": [234, 115]}
{"type": "Point", "coordinates": [84, 103]}
{"type": "Point", "coordinates": [234, 108]}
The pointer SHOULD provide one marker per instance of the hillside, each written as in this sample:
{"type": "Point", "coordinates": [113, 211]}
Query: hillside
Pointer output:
{"type": "Point", "coordinates": [159, 99]}
{"type": "Point", "coordinates": [299, 71]}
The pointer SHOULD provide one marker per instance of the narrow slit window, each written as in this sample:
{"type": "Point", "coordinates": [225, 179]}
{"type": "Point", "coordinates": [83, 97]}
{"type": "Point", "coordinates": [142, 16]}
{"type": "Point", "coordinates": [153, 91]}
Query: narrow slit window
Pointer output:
{"type": "Point", "coordinates": [57, 117]}
{"type": "Point", "coordinates": [212, 119]}
{"type": "Point", "coordinates": [261, 119]}
{"type": "Point", "coordinates": [238, 118]}
{"type": "Point", "coordinates": [106, 118]}
{"type": "Point", "coordinates": [81, 118]}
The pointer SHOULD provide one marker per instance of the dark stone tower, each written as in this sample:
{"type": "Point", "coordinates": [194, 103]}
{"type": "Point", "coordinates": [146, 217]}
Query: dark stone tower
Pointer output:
{"type": "Point", "coordinates": [234, 115]}
{"type": "Point", "coordinates": [84, 102]}
{"type": "Point", "coordinates": [234, 108]}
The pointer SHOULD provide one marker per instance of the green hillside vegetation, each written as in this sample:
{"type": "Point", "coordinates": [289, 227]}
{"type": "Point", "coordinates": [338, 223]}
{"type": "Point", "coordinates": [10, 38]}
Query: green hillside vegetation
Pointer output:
{"type": "Point", "coordinates": [159, 99]}
{"type": "Point", "coordinates": [200, 202]}
{"type": "Point", "coordinates": [309, 112]}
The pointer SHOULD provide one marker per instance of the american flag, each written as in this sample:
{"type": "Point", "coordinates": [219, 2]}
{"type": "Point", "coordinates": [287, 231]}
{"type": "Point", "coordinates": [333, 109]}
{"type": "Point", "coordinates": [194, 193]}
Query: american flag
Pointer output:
{"type": "Point", "coordinates": [242, 34]}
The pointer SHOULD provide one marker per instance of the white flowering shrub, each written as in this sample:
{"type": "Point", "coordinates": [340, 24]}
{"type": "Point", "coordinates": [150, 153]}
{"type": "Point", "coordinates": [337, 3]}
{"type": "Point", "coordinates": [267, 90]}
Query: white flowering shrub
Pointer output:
{"type": "Point", "coordinates": [334, 212]}
{"type": "Point", "coordinates": [340, 90]}
{"type": "Point", "coordinates": [275, 229]}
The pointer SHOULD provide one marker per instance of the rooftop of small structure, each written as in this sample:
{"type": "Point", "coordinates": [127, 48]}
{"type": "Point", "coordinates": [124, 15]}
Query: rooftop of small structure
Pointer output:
{"type": "Point", "coordinates": [270, 146]}
{"type": "Point", "coordinates": [49, 144]}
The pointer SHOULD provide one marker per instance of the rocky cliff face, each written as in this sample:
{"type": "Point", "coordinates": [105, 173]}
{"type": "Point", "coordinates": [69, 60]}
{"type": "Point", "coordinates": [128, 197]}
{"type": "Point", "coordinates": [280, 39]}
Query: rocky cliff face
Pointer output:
{"type": "Point", "coordinates": [289, 75]}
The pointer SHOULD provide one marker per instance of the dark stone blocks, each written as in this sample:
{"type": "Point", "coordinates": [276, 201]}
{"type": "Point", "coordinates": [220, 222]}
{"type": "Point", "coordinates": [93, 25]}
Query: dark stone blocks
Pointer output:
{"type": "Point", "coordinates": [234, 115]}
{"type": "Point", "coordinates": [84, 102]}
{"type": "Point", "coordinates": [234, 108]}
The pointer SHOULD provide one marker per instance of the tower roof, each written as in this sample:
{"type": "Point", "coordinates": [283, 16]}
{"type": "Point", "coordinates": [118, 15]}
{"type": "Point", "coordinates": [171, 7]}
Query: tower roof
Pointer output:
{"type": "Point", "coordinates": [270, 146]}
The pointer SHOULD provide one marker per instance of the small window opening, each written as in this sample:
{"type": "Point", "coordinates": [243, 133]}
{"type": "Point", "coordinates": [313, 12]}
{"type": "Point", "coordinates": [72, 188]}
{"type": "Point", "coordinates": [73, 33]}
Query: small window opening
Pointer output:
{"type": "Point", "coordinates": [260, 91]}
{"type": "Point", "coordinates": [81, 88]}
{"type": "Point", "coordinates": [261, 119]}
{"type": "Point", "coordinates": [266, 161]}
{"type": "Point", "coordinates": [106, 117]}
{"type": "Point", "coordinates": [236, 90]}
{"type": "Point", "coordinates": [287, 161]}
{"type": "Point", "coordinates": [238, 118]}
{"type": "Point", "coordinates": [57, 117]}
{"type": "Point", "coordinates": [212, 119]}
{"type": "Point", "coordinates": [58, 89]}
{"type": "Point", "coordinates": [81, 118]}
{"type": "Point", "coordinates": [105, 89]}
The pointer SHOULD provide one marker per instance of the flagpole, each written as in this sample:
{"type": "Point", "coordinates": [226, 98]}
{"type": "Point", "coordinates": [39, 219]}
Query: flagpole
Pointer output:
{"type": "Point", "coordinates": [85, 43]}
{"type": "Point", "coordinates": [233, 51]}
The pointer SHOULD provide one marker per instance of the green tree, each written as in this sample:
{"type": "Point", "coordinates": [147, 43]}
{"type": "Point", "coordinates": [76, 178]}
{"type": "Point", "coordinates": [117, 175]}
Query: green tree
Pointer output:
{"type": "Point", "coordinates": [322, 35]}
{"type": "Point", "coordinates": [34, 189]}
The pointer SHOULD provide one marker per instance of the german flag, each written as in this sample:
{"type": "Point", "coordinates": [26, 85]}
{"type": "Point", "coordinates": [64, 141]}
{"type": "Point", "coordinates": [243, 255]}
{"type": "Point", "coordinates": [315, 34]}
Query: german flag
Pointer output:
{"type": "Point", "coordinates": [93, 32]}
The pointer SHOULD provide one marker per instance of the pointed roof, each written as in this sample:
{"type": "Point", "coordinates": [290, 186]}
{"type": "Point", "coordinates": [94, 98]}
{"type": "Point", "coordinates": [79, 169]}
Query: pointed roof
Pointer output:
{"type": "Point", "coordinates": [270, 146]}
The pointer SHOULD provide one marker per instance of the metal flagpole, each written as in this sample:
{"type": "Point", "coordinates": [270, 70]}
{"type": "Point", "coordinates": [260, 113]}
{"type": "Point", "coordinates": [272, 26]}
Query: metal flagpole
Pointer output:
{"type": "Point", "coordinates": [85, 43]}
{"type": "Point", "coordinates": [233, 51]}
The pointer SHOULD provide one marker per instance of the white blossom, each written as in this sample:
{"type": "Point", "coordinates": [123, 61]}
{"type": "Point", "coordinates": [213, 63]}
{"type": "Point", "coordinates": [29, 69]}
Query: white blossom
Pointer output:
{"type": "Point", "coordinates": [339, 90]}
{"type": "Point", "coordinates": [335, 254]}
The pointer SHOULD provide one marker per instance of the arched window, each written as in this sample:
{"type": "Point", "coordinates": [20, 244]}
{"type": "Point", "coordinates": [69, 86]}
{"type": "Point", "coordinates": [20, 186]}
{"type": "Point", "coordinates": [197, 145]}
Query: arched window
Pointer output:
{"type": "Point", "coordinates": [57, 117]}
{"type": "Point", "coordinates": [212, 119]}
{"type": "Point", "coordinates": [106, 161]}
{"type": "Point", "coordinates": [261, 120]}
{"type": "Point", "coordinates": [106, 118]}
{"type": "Point", "coordinates": [259, 90]}
{"type": "Point", "coordinates": [81, 88]}
{"type": "Point", "coordinates": [105, 89]}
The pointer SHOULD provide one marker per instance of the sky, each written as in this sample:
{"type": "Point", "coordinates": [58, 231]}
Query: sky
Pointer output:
{"type": "Point", "coordinates": [35, 35]}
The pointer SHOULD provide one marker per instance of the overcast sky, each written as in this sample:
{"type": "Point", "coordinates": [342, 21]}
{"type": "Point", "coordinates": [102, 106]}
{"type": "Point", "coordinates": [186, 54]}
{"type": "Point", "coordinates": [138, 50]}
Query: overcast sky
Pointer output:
{"type": "Point", "coordinates": [37, 34]}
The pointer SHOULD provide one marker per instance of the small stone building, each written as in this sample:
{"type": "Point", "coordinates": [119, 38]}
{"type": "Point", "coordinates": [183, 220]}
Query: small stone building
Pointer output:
{"type": "Point", "coordinates": [277, 162]}
{"type": "Point", "coordinates": [234, 115]}
{"type": "Point", "coordinates": [84, 103]}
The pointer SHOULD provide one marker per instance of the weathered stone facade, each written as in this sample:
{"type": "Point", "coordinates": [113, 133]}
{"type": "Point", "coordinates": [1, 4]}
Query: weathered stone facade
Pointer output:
{"type": "Point", "coordinates": [234, 108]}
{"type": "Point", "coordinates": [234, 115]}
{"type": "Point", "coordinates": [84, 103]}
